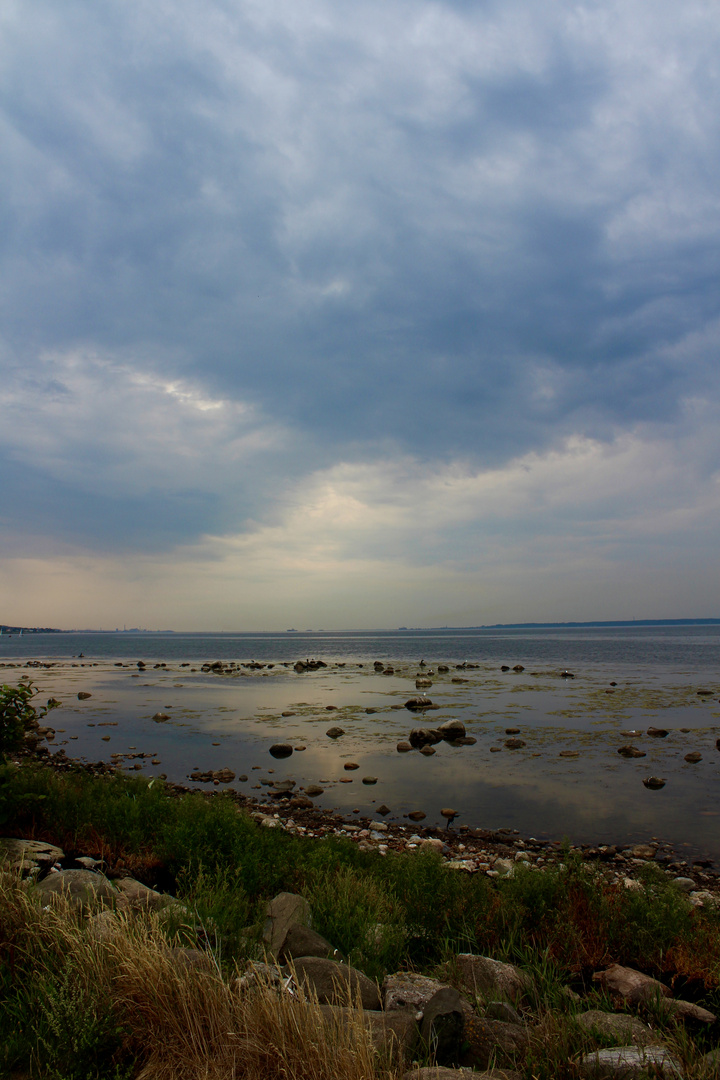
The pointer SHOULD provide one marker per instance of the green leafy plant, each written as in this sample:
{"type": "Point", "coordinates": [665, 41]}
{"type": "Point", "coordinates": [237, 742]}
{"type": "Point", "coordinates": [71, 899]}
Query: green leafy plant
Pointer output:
{"type": "Point", "coordinates": [17, 713]}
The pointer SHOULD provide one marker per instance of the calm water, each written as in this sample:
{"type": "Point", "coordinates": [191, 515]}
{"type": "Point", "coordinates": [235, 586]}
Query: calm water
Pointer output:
{"type": "Point", "coordinates": [596, 796]}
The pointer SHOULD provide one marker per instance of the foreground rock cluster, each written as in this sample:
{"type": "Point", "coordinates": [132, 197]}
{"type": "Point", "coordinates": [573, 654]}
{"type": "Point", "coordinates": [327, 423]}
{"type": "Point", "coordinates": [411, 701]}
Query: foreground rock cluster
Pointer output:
{"type": "Point", "coordinates": [478, 1013]}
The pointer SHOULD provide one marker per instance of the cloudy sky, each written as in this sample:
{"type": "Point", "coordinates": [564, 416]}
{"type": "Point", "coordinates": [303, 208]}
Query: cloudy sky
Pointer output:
{"type": "Point", "coordinates": [343, 313]}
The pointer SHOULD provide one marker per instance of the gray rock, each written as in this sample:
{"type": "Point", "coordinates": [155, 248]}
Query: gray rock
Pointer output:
{"type": "Point", "coordinates": [619, 1026]}
{"type": "Point", "coordinates": [407, 990]}
{"type": "Point", "coordinates": [335, 732]}
{"type": "Point", "coordinates": [24, 854]}
{"type": "Point", "coordinates": [394, 1035]}
{"type": "Point", "coordinates": [502, 1010]}
{"type": "Point", "coordinates": [494, 1041]}
{"type": "Point", "coordinates": [630, 984]}
{"type": "Point", "coordinates": [686, 884]}
{"type": "Point", "coordinates": [452, 729]}
{"type": "Point", "coordinates": [709, 1066]}
{"type": "Point", "coordinates": [439, 1072]}
{"type": "Point", "coordinates": [303, 941]}
{"type": "Point", "coordinates": [488, 978]}
{"type": "Point", "coordinates": [281, 750]}
{"type": "Point", "coordinates": [103, 926]}
{"type": "Point", "coordinates": [630, 1061]}
{"type": "Point", "coordinates": [336, 984]}
{"type": "Point", "coordinates": [84, 890]}
{"type": "Point", "coordinates": [283, 912]}
{"type": "Point", "coordinates": [138, 895]}
{"type": "Point", "coordinates": [685, 1010]}
{"type": "Point", "coordinates": [443, 1024]}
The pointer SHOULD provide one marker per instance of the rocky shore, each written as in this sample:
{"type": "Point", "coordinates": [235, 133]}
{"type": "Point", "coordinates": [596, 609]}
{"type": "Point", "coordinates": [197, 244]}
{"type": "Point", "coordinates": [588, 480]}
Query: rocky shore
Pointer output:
{"type": "Point", "coordinates": [495, 853]}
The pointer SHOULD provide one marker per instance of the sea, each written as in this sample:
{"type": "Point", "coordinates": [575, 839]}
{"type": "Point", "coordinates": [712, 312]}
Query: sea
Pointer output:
{"type": "Point", "coordinates": [572, 696]}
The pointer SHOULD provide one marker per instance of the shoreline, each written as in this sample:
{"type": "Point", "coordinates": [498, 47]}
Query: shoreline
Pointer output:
{"type": "Point", "coordinates": [493, 853]}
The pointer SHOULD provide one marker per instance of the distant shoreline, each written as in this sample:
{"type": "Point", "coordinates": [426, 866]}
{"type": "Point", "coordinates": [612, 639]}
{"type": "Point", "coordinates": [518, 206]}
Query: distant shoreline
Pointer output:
{"type": "Point", "coordinates": [11, 630]}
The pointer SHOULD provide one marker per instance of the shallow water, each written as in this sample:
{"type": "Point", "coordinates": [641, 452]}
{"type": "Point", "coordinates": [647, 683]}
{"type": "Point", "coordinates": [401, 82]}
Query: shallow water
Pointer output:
{"type": "Point", "coordinates": [232, 721]}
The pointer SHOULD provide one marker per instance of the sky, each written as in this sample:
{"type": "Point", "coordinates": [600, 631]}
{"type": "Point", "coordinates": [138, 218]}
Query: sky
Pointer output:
{"type": "Point", "coordinates": [358, 313]}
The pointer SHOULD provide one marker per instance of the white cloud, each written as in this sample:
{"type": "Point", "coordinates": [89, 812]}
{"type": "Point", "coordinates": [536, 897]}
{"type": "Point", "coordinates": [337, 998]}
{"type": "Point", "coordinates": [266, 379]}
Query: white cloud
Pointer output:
{"type": "Point", "coordinates": [107, 424]}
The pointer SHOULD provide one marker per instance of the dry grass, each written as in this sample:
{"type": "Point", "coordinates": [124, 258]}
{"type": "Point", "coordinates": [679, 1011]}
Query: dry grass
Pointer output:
{"type": "Point", "coordinates": [181, 1021]}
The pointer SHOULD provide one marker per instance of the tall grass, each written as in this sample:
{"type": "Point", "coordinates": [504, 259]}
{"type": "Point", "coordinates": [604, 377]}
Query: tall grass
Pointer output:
{"type": "Point", "coordinates": [76, 1008]}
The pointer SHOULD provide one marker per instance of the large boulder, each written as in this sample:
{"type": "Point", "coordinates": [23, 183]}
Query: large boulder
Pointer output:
{"type": "Point", "coordinates": [629, 1061]}
{"type": "Point", "coordinates": [443, 1025]}
{"type": "Point", "coordinates": [408, 990]}
{"type": "Point", "coordinates": [84, 890]}
{"type": "Point", "coordinates": [394, 1035]}
{"type": "Point", "coordinates": [336, 984]}
{"type": "Point", "coordinates": [619, 1026]}
{"type": "Point", "coordinates": [494, 1041]}
{"type": "Point", "coordinates": [26, 855]}
{"type": "Point", "coordinates": [629, 984]}
{"type": "Point", "coordinates": [487, 978]}
{"type": "Point", "coordinates": [283, 912]}
{"type": "Point", "coordinates": [304, 941]}
{"type": "Point", "coordinates": [136, 895]}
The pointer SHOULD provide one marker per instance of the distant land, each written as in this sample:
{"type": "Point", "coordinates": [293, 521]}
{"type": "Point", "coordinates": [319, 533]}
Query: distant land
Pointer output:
{"type": "Point", "coordinates": [7, 629]}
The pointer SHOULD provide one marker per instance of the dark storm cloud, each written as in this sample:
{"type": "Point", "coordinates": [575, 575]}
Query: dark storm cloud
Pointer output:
{"type": "Point", "coordinates": [444, 230]}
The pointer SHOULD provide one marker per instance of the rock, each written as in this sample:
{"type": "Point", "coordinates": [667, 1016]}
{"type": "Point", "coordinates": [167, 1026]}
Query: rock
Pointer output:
{"type": "Point", "coordinates": [643, 851]}
{"type": "Point", "coordinates": [630, 984]}
{"type": "Point", "coordinates": [518, 667]}
{"type": "Point", "coordinates": [408, 990]}
{"type": "Point", "coordinates": [630, 1061]}
{"type": "Point", "coordinates": [619, 1026]}
{"type": "Point", "coordinates": [631, 752]}
{"type": "Point", "coordinates": [257, 974]}
{"type": "Point", "coordinates": [448, 813]}
{"type": "Point", "coordinates": [502, 1010]}
{"type": "Point", "coordinates": [301, 802]}
{"type": "Point", "coordinates": [439, 1072]}
{"type": "Point", "coordinates": [84, 890]}
{"type": "Point", "coordinates": [693, 757]}
{"type": "Point", "coordinates": [488, 978]}
{"type": "Point", "coordinates": [23, 855]}
{"type": "Point", "coordinates": [685, 1010]}
{"type": "Point", "coordinates": [161, 717]}
{"type": "Point", "coordinates": [383, 809]}
{"type": "Point", "coordinates": [569, 753]}
{"type": "Point", "coordinates": [494, 1041]}
{"type": "Point", "coordinates": [514, 744]}
{"type": "Point", "coordinates": [416, 704]}
{"type": "Point", "coordinates": [282, 787]}
{"type": "Point", "coordinates": [281, 750]}
{"type": "Point", "coordinates": [336, 984]}
{"type": "Point", "coordinates": [104, 926]}
{"type": "Point", "coordinates": [394, 1035]}
{"type": "Point", "coordinates": [443, 1024]}
{"type": "Point", "coordinates": [657, 732]}
{"type": "Point", "coordinates": [350, 766]}
{"type": "Point", "coordinates": [335, 732]}
{"type": "Point", "coordinates": [403, 747]}
{"type": "Point", "coordinates": [685, 884]}
{"type": "Point", "coordinates": [369, 780]}
{"type": "Point", "coordinates": [417, 815]}
{"type": "Point", "coordinates": [83, 695]}
{"type": "Point", "coordinates": [420, 737]}
{"type": "Point", "coordinates": [137, 895]}
{"type": "Point", "coordinates": [304, 941]}
{"type": "Point", "coordinates": [428, 751]}
{"type": "Point", "coordinates": [452, 729]}
{"type": "Point", "coordinates": [313, 790]}
{"type": "Point", "coordinates": [654, 782]}
{"type": "Point", "coordinates": [281, 913]}
{"type": "Point", "coordinates": [423, 684]}
{"type": "Point", "coordinates": [709, 1065]}
{"type": "Point", "coordinates": [224, 776]}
